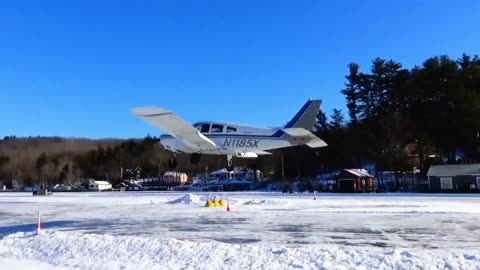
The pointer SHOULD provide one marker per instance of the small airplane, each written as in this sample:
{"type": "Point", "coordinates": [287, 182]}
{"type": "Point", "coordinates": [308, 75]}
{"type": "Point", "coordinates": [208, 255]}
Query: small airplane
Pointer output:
{"type": "Point", "coordinates": [241, 141]}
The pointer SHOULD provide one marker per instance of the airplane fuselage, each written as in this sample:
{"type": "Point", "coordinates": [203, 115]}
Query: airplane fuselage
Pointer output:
{"type": "Point", "coordinates": [232, 140]}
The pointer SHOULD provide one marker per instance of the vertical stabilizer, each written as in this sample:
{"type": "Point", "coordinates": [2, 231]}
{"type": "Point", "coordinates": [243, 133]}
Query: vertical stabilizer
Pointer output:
{"type": "Point", "coordinates": [305, 118]}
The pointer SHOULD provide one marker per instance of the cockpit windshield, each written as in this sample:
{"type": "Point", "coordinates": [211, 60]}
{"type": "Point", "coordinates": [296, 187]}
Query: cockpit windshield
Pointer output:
{"type": "Point", "coordinates": [213, 128]}
{"type": "Point", "coordinates": [202, 127]}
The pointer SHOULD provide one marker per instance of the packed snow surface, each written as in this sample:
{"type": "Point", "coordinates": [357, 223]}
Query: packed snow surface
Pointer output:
{"type": "Point", "coordinates": [172, 230]}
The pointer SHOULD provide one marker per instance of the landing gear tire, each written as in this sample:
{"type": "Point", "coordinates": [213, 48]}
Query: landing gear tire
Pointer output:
{"type": "Point", "coordinates": [172, 163]}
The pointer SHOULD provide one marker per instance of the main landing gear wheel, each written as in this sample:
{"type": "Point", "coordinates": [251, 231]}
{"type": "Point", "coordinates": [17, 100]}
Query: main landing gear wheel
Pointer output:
{"type": "Point", "coordinates": [172, 163]}
{"type": "Point", "coordinates": [229, 163]}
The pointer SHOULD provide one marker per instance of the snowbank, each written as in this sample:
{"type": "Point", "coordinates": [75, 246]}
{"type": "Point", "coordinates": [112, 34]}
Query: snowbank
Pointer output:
{"type": "Point", "coordinates": [265, 202]}
{"type": "Point", "coordinates": [187, 199]}
{"type": "Point", "coordinates": [94, 251]}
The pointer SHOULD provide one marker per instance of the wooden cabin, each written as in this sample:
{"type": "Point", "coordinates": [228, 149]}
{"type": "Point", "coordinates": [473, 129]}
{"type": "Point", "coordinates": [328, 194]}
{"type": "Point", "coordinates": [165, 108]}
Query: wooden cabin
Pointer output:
{"type": "Point", "coordinates": [354, 180]}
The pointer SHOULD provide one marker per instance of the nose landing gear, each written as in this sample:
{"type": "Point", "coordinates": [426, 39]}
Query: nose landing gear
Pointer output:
{"type": "Point", "coordinates": [229, 163]}
{"type": "Point", "coordinates": [172, 163]}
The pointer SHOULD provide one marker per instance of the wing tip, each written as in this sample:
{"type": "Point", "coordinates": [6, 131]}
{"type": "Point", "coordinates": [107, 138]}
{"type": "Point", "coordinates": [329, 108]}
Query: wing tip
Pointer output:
{"type": "Point", "coordinates": [148, 111]}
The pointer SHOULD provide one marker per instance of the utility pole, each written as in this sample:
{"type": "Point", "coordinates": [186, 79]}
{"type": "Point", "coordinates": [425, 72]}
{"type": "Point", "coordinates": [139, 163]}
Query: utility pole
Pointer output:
{"type": "Point", "coordinates": [283, 173]}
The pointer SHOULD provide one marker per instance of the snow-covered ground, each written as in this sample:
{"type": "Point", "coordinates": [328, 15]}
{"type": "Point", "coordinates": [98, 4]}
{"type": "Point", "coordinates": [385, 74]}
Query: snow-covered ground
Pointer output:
{"type": "Point", "coordinates": [172, 230]}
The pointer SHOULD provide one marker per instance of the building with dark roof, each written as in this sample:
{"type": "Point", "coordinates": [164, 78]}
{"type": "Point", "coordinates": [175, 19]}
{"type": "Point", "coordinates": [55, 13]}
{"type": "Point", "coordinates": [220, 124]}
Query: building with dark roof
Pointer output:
{"type": "Point", "coordinates": [454, 178]}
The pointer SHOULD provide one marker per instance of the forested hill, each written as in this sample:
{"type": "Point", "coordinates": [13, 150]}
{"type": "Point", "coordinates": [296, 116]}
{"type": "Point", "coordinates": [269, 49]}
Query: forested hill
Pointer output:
{"type": "Point", "coordinates": [63, 160]}
{"type": "Point", "coordinates": [43, 157]}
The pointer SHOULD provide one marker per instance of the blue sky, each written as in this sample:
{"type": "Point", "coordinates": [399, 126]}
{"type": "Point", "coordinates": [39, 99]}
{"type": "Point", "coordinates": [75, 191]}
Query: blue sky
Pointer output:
{"type": "Point", "coordinates": [76, 68]}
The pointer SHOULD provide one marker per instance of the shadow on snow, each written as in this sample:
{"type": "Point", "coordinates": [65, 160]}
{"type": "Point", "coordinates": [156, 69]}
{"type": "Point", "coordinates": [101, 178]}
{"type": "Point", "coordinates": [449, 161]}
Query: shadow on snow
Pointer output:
{"type": "Point", "coordinates": [5, 230]}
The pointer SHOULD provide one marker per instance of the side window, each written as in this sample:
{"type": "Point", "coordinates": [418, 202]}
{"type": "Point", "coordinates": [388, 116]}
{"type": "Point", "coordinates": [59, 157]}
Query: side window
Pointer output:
{"type": "Point", "coordinates": [216, 129]}
{"type": "Point", "coordinates": [231, 129]}
{"type": "Point", "coordinates": [205, 128]}
{"type": "Point", "coordinates": [478, 182]}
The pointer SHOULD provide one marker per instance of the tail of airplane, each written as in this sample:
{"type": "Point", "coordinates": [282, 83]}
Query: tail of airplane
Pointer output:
{"type": "Point", "coordinates": [305, 118]}
{"type": "Point", "coordinates": [301, 125]}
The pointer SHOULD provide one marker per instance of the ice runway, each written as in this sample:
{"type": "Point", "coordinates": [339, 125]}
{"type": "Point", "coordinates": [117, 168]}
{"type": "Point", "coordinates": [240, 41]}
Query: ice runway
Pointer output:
{"type": "Point", "coordinates": [168, 230]}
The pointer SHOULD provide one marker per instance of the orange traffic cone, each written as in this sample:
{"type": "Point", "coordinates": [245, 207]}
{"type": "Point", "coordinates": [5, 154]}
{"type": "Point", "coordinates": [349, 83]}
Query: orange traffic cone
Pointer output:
{"type": "Point", "coordinates": [228, 206]}
{"type": "Point", "coordinates": [39, 225]}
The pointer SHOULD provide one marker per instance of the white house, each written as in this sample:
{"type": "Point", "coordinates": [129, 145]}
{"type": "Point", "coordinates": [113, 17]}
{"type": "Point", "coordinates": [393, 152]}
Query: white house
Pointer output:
{"type": "Point", "coordinates": [96, 185]}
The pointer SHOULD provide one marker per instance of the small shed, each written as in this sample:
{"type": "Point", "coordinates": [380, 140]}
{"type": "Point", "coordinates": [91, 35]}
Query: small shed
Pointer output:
{"type": "Point", "coordinates": [454, 178]}
{"type": "Point", "coordinates": [354, 180]}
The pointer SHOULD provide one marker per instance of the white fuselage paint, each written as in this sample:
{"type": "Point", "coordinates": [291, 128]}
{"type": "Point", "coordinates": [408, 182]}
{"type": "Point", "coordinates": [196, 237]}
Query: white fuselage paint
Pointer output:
{"type": "Point", "coordinates": [244, 140]}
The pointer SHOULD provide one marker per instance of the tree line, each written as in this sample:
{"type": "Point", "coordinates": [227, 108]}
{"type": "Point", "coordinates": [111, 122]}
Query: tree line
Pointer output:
{"type": "Point", "coordinates": [396, 119]}
{"type": "Point", "coordinates": [50, 161]}
{"type": "Point", "coordinates": [401, 118]}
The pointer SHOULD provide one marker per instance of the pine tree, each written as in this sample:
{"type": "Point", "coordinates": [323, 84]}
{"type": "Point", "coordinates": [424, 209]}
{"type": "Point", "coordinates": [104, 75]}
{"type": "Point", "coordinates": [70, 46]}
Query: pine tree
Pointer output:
{"type": "Point", "coordinates": [337, 119]}
{"type": "Point", "coordinates": [321, 121]}
{"type": "Point", "coordinates": [351, 91]}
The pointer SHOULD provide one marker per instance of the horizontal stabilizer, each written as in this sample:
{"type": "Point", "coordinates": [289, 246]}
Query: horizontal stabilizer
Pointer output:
{"type": "Point", "coordinates": [297, 132]}
{"type": "Point", "coordinates": [301, 133]}
{"type": "Point", "coordinates": [317, 143]}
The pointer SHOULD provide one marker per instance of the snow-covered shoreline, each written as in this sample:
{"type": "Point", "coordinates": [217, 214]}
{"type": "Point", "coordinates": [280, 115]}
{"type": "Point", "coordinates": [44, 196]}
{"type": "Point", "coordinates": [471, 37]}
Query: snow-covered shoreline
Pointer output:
{"type": "Point", "coordinates": [172, 230]}
{"type": "Point", "coordinates": [96, 251]}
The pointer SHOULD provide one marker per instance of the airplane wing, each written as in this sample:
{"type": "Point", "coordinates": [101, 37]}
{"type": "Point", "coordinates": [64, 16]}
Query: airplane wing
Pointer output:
{"type": "Point", "coordinates": [175, 126]}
